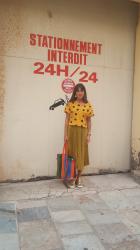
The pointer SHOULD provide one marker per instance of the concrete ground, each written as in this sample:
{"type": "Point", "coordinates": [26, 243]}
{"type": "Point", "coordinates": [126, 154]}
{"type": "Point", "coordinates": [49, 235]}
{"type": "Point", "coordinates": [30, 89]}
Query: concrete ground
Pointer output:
{"type": "Point", "coordinates": [45, 215]}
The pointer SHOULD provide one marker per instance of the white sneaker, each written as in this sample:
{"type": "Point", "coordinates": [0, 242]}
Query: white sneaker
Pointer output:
{"type": "Point", "coordinates": [78, 183]}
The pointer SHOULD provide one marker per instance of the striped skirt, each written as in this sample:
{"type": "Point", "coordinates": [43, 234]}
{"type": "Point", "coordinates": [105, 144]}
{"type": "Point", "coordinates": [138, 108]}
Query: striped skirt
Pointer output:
{"type": "Point", "coordinates": [78, 146]}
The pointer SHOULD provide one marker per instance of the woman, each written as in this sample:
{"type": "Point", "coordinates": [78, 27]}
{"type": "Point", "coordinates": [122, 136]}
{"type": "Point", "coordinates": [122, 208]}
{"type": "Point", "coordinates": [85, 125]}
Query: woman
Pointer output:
{"type": "Point", "coordinates": [77, 130]}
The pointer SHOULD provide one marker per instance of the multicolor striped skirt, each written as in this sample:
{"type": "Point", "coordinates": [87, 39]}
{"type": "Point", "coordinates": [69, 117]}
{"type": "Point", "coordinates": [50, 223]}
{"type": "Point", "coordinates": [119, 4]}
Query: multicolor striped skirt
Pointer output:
{"type": "Point", "coordinates": [78, 146]}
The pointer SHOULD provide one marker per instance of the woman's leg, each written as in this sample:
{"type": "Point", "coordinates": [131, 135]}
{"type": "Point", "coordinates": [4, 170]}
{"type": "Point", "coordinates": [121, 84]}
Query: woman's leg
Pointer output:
{"type": "Point", "coordinates": [77, 181]}
{"type": "Point", "coordinates": [79, 174]}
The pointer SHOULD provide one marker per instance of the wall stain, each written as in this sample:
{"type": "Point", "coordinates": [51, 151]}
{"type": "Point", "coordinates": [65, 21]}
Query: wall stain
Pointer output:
{"type": "Point", "coordinates": [135, 160]}
{"type": "Point", "coordinates": [10, 26]}
{"type": "Point", "coordinates": [109, 171]}
{"type": "Point", "coordinates": [49, 14]}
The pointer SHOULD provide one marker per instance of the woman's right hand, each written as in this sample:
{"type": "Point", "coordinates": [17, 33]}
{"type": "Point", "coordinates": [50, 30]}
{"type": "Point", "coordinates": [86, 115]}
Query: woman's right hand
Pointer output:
{"type": "Point", "coordinates": [65, 138]}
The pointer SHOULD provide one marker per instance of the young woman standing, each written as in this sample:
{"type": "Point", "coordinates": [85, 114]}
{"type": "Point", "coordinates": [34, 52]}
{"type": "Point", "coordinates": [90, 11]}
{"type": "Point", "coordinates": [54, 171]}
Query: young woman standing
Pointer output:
{"type": "Point", "coordinates": [77, 130]}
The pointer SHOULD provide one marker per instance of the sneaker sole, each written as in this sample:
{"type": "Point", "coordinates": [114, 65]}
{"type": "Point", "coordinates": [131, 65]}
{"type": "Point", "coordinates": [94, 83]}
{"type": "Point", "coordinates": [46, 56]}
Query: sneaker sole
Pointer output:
{"type": "Point", "coordinates": [79, 185]}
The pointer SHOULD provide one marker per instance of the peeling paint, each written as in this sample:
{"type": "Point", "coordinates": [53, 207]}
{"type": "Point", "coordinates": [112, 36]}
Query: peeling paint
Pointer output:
{"type": "Point", "coordinates": [135, 160]}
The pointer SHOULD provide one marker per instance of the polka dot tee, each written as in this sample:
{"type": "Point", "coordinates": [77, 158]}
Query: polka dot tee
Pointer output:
{"type": "Point", "coordinates": [79, 113]}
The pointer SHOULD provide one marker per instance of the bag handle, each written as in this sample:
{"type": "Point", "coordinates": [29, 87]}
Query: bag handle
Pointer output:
{"type": "Point", "coordinates": [64, 153]}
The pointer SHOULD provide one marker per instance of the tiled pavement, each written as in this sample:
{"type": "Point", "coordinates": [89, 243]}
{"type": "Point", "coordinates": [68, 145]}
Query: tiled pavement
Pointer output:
{"type": "Point", "coordinates": [45, 215]}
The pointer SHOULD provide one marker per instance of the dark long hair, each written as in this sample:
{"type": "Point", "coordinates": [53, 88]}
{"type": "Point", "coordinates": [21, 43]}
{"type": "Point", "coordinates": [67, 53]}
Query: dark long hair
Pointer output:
{"type": "Point", "coordinates": [76, 88]}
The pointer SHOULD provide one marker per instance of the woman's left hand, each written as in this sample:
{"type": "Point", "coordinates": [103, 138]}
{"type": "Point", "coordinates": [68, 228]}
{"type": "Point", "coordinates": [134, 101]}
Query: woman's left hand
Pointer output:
{"type": "Point", "coordinates": [88, 138]}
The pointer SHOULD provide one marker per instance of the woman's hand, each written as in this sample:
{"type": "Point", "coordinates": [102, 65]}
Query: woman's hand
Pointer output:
{"type": "Point", "coordinates": [88, 138]}
{"type": "Point", "coordinates": [66, 128]}
{"type": "Point", "coordinates": [65, 138]}
{"type": "Point", "coordinates": [89, 129]}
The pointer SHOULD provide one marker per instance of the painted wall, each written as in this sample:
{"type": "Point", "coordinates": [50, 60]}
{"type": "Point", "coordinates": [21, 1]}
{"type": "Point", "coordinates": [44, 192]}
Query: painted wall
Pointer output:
{"type": "Point", "coordinates": [30, 134]}
{"type": "Point", "coordinates": [136, 104]}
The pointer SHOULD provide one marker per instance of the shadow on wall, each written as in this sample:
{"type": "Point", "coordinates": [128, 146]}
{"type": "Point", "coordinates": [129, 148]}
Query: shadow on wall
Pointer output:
{"type": "Point", "coordinates": [59, 102]}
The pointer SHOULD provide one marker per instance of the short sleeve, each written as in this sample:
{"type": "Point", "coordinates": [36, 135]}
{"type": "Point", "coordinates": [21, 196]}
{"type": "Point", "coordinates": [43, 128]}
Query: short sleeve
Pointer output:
{"type": "Point", "coordinates": [90, 111]}
{"type": "Point", "coordinates": [67, 108]}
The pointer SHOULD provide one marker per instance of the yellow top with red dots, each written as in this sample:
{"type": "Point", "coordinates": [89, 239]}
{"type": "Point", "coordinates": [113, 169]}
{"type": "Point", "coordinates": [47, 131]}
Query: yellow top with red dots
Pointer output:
{"type": "Point", "coordinates": [79, 113]}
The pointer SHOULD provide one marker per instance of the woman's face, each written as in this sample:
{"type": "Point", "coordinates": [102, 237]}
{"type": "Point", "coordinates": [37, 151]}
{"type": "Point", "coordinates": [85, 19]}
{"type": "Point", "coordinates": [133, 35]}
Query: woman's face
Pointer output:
{"type": "Point", "coordinates": [80, 94]}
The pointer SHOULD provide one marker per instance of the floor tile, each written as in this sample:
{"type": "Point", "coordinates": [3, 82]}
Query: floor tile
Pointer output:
{"type": "Point", "coordinates": [91, 202]}
{"type": "Point", "coordinates": [67, 216]}
{"type": "Point", "coordinates": [115, 199]}
{"type": "Point", "coordinates": [62, 203]}
{"type": "Point", "coordinates": [124, 245]}
{"type": "Point", "coordinates": [8, 225]}
{"type": "Point", "coordinates": [31, 203]}
{"type": "Point", "coordinates": [7, 219]}
{"type": "Point", "coordinates": [113, 233]}
{"type": "Point", "coordinates": [36, 213]}
{"type": "Point", "coordinates": [103, 217]}
{"type": "Point", "coordinates": [73, 228]}
{"type": "Point", "coordinates": [131, 219]}
{"type": "Point", "coordinates": [7, 207]}
{"type": "Point", "coordinates": [39, 235]}
{"type": "Point", "coordinates": [82, 242]}
{"type": "Point", "coordinates": [9, 242]}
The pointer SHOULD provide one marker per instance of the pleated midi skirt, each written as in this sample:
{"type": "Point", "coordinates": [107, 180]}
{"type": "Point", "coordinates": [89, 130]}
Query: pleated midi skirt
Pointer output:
{"type": "Point", "coordinates": [78, 146]}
